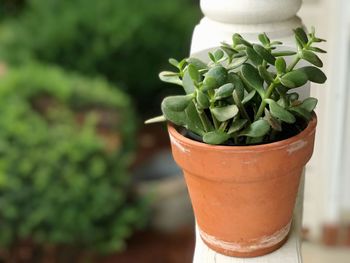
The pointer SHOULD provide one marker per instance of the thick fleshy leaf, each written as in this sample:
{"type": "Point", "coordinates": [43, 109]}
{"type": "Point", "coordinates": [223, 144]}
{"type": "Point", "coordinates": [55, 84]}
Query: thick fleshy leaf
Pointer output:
{"type": "Point", "coordinates": [294, 79]}
{"type": "Point", "coordinates": [283, 53]}
{"type": "Point", "coordinates": [312, 58]}
{"type": "Point", "coordinates": [264, 53]}
{"type": "Point", "coordinates": [248, 97]}
{"type": "Point", "coordinates": [301, 35]}
{"type": "Point", "coordinates": [301, 112]}
{"type": "Point", "coordinates": [219, 73]}
{"type": "Point", "coordinates": [193, 121]}
{"type": "Point", "coordinates": [280, 65]}
{"type": "Point", "coordinates": [202, 100]}
{"type": "Point", "coordinates": [225, 113]}
{"type": "Point", "coordinates": [194, 73]}
{"type": "Point", "coordinates": [218, 54]}
{"type": "Point", "coordinates": [264, 39]}
{"type": "Point", "coordinates": [237, 39]}
{"type": "Point", "coordinates": [253, 56]}
{"type": "Point", "coordinates": [216, 137]}
{"type": "Point", "coordinates": [209, 83]}
{"type": "Point", "coordinates": [293, 96]}
{"type": "Point", "coordinates": [237, 83]}
{"type": "Point", "coordinates": [274, 123]}
{"type": "Point", "coordinates": [160, 118]}
{"type": "Point", "coordinates": [236, 62]}
{"type": "Point", "coordinates": [170, 77]}
{"type": "Point", "coordinates": [237, 125]}
{"type": "Point", "coordinates": [317, 49]}
{"type": "Point", "coordinates": [309, 104]}
{"type": "Point", "coordinates": [265, 74]}
{"type": "Point", "coordinates": [224, 91]}
{"type": "Point", "coordinates": [177, 117]}
{"type": "Point", "coordinates": [257, 129]}
{"type": "Point", "coordinates": [187, 83]}
{"type": "Point", "coordinates": [279, 112]}
{"type": "Point", "coordinates": [314, 74]}
{"type": "Point", "coordinates": [174, 62]}
{"type": "Point", "coordinates": [251, 76]}
{"type": "Point", "coordinates": [177, 103]}
{"type": "Point", "coordinates": [198, 63]}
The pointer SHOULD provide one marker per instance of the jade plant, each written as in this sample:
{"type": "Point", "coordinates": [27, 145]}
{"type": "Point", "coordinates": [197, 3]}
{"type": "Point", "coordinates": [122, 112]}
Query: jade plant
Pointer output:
{"type": "Point", "coordinates": [246, 93]}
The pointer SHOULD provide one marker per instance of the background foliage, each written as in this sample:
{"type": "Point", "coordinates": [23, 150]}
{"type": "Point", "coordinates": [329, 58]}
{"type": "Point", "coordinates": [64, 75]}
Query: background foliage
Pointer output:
{"type": "Point", "coordinates": [126, 41]}
{"type": "Point", "coordinates": [59, 182]}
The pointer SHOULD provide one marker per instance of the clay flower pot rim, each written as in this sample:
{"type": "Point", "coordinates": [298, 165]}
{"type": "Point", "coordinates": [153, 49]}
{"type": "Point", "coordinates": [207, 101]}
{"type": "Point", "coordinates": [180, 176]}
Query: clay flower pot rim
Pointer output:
{"type": "Point", "coordinates": [256, 148]}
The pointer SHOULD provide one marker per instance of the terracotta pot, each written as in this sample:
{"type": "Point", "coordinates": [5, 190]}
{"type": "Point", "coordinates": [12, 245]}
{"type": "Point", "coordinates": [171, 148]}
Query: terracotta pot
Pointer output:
{"type": "Point", "coordinates": [243, 196]}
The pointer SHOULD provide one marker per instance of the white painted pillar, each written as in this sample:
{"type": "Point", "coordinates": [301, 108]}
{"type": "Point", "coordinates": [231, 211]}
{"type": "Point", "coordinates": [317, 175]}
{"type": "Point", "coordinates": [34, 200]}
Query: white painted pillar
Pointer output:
{"type": "Point", "coordinates": [223, 18]}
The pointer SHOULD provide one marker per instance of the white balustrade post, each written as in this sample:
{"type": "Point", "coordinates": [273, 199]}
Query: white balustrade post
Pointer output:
{"type": "Point", "coordinates": [223, 18]}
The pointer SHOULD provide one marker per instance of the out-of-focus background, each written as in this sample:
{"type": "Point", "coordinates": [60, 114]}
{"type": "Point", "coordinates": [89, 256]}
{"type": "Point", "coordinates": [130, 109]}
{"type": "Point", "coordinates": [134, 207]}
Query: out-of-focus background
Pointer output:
{"type": "Point", "coordinates": [83, 180]}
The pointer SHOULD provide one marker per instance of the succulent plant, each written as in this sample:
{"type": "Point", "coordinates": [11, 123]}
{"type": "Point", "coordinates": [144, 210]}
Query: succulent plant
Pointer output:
{"type": "Point", "coordinates": [246, 93]}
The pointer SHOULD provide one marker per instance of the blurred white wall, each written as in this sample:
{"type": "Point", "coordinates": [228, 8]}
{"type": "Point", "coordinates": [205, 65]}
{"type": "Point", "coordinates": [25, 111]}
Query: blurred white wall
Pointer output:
{"type": "Point", "coordinates": [327, 193]}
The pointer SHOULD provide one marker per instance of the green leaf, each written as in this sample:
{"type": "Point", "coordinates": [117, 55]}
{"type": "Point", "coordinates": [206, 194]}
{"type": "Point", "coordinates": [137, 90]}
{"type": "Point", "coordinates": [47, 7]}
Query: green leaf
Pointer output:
{"type": "Point", "coordinates": [239, 40]}
{"type": "Point", "coordinates": [198, 63]}
{"type": "Point", "coordinates": [309, 104]}
{"type": "Point", "coordinates": [174, 62]}
{"type": "Point", "coordinates": [265, 74]}
{"type": "Point", "coordinates": [236, 62]}
{"type": "Point", "coordinates": [216, 137]}
{"type": "Point", "coordinates": [170, 77]}
{"type": "Point", "coordinates": [237, 83]}
{"type": "Point", "coordinates": [283, 53]}
{"type": "Point", "coordinates": [301, 35]}
{"type": "Point", "coordinates": [274, 123]}
{"type": "Point", "coordinates": [264, 53]}
{"type": "Point", "coordinates": [311, 57]}
{"type": "Point", "coordinates": [177, 117]}
{"type": "Point", "coordinates": [155, 119]}
{"type": "Point", "coordinates": [224, 91]}
{"type": "Point", "coordinates": [187, 83]}
{"type": "Point", "coordinates": [218, 54]}
{"type": "Point", "coordinates": [293, 96]}
{"type": "Point", "coordinates": [258, 128]}
{"type": "Point", "coordinates": [248, 97]}
{"type": "Point", "coordinates": [301, 112]}
{"type": "Point", "coordinates": [253, 56]}
{"type": "Point", "coordinates": [219, 73]}
{"type": "Point", "coordinates": [279, 112]}
{"type": "Point", "coordinates": [194, 73]}
{"type": "Point", "coordinates": [177, 103]}
{"type": "Point", "coordinates": [212, 57]}
{"type": "Point", "coordinates": [314, 74]}
{"type": "Point", "coordinates": [264, 39]}
{"type": "Point", "coordinates": [294, 79]}
{"type": "Point", "coordinates": [237, 125]}
{"type": "Point", "coordinates": [193, 121]}
{"type": "Point", "coordinates": [280, 65]}
{"type": "Point", "coordinates": [225, 113]}
{"type": "Point", "coordinates": [202, 100]}
{"type": "Point", "coordinates": [252, 78]}
{"type": "Point", "coordinates": [318, 50]}
{"type": "Point", "coordinates": [209, 83]}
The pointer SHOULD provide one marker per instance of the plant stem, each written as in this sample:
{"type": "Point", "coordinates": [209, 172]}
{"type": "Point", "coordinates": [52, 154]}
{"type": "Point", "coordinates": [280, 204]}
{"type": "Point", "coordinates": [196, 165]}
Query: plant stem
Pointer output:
{"type": "Point", "coordinates": [263, 102]}
{"type": "Point", "coordinates": [293, 64]}
{"type": "Point", "coordinates": [204, 120]}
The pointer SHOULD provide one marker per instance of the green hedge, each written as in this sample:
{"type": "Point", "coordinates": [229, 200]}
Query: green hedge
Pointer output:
{"type": "Point", "coordinates": [127, 41]}
{"type": "Point", "coordinates": [60, 183]}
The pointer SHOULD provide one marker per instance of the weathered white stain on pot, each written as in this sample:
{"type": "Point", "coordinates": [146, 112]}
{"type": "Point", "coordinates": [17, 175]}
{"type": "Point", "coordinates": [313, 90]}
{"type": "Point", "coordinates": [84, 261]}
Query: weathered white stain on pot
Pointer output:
{"type": "Point", "coordinates": [296, 146]}
{"type": "Point", "coordinates": [259, 243]}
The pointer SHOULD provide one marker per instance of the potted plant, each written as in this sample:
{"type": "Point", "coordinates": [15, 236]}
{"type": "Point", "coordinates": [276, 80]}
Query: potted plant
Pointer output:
{"type": "Point", "coordinates": [242, 137]}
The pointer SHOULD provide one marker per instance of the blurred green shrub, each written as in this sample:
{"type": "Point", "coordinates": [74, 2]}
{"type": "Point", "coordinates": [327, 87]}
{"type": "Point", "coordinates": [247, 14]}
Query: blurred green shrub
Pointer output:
{"type": "Point", "coordinates": [127, 41]}
{"type": "Point", "coordinates": [65, 143]}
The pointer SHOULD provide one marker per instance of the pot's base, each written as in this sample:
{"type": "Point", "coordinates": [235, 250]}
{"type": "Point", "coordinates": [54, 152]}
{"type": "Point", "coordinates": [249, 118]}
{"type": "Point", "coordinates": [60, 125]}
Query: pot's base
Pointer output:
{"type": "Point", "coordinates": [255, 253]}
